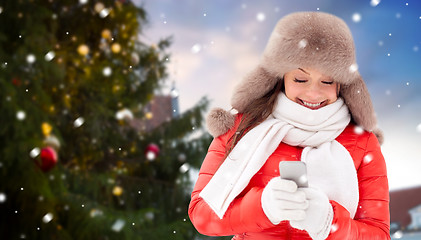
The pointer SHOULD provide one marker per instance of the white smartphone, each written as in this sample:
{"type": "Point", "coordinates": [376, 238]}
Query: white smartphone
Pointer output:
{"type": "Point", "coordinates": [295, 171]}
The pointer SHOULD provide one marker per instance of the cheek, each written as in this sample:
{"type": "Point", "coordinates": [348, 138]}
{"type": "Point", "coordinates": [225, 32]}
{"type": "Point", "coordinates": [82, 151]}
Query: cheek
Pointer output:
{"type": "Point", "coordinates": [332, 93]}
{"type": "Point", "coordinates": [290, 91]}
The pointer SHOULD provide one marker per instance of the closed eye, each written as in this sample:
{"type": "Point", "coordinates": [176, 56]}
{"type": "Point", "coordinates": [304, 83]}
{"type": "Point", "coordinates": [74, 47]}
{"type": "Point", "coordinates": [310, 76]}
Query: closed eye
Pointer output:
{"type": "Point", "coordinates": [328, 82]}
{"type": "Point", "coordinates": [299, 80]}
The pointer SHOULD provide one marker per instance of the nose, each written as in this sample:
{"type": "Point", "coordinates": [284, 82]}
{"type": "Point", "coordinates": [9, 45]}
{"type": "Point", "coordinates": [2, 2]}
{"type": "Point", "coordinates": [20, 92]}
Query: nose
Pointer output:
{"type": "Point", "coordinates": [313, 92]}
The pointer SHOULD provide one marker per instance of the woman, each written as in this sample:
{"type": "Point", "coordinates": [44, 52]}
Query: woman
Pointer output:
{"type": "Point", "coordinates": [306, 102]}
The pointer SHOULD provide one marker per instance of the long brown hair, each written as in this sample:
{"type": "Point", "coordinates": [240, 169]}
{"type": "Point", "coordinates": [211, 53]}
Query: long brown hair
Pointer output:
{"type": "Point", "coordinates": [255, 113]}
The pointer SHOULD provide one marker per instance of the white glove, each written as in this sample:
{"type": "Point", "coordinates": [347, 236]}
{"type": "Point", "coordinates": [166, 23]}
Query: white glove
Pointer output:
{"type": "Point", "coordinates": [282, 201]}
{"type": "Point", "coordinates": [319, 215]}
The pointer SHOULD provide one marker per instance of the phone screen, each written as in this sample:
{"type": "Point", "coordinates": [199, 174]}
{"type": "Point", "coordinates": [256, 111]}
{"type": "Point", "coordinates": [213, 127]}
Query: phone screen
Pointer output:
{"type": "Point", "coordinates": [295, 171]}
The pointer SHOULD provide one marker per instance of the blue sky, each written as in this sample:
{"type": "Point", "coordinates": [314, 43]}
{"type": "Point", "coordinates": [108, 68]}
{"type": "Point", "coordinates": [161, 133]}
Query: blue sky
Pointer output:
{"type": "Point", "coordinates": [216, 42]}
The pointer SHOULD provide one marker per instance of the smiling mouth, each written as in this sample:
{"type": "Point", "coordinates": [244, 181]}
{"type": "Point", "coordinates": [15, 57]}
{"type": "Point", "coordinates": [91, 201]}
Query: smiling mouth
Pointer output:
{"type": "Point", "coordinates": [312, 106]}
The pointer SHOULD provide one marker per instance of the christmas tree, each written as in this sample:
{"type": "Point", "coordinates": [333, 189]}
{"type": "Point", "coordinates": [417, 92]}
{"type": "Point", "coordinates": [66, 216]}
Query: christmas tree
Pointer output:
{"type": "Point", "coordinates": [79, 158]}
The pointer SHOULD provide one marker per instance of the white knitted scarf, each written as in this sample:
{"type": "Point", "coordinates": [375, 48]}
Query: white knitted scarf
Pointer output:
{"type": "Point", "coordinates": [330, 167]}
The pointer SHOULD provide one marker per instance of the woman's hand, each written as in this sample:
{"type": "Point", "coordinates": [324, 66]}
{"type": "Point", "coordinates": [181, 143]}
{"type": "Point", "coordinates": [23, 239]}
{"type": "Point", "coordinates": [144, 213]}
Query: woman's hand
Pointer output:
{"type": "Point", "coordinates": [318, 216]}
{"type": "Point", "coordinates": [282, 200]}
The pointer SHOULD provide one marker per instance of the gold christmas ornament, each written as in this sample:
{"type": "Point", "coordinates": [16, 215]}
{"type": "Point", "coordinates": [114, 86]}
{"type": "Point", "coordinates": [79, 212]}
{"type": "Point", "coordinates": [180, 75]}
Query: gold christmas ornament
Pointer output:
{"type": "Point", "coordinates": [149, 115]}
{"type": "Point", "coordinates": [46, 129]}
{"type": "Point", "coordinates": [106, 34]}
{"type": "Point", "coordinates": [115, 48]}
{"type": "Point", "coordinates": [83, 49]}
{"type": "Point", "coordinates": [117, 191]}
{"type": "Point", "coordinates": [99, 7]}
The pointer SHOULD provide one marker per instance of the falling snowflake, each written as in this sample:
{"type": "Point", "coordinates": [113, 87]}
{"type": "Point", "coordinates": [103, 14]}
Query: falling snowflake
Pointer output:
{"type": "Point", "coordinates": [334, 228]}
{"type": "Point", "coordinates": [104, 13]}
{"type": "Point", "coordinates": [20, 115]}
{"type": "Point", "coordinates": [30, 58]}
{"type": "Point", "coordinates": [118, 225]}
{"type": "Point", "coordinates": [34, 152]}
{"type": "Point", "coordinates": [356, 17]}
{"type": "Point", "coordinates": [358, 130]}
{"type": "Point", "coordinates": [184, 168]}
{"type": "Point", "coordinates": [49, 56]}
{"type": "Point", "coordinates": [174, 93]}
{"type": "Point", "coordinates": [398, 234]}
{"type": "Point", "coordinates": [374, 3]}
{"type": "Point", "coordinates": [260, 17]}
{"type": "Point", "coordinates": [368, 158]}
{"type": "Point", "coordinates": [353, 68]}
{"type": "Point", "coordinates": [79, 122]}
{"type": "Point", "coordinates": [47, 218]}
{"type": "Point", "coordinates": [196, 48]}
{"type": "Point", "coordinates": [2, 197]}
{"type": "Point", "coordinates": [150, 155]}
{"type": "Point", "coordinates": [107, 71]}
{"type": "Point", "coordinates": [302, 43]}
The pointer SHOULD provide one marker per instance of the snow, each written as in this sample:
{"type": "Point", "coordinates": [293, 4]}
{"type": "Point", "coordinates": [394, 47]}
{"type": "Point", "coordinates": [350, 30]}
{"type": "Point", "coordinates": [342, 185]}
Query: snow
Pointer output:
{"type": "Point", "coordinates": [353, 68]}
{"type": "Point", "coordinates": [107, 71]}
{"type": "Point", "coordinates": [34, 152]}
{"type": "Point", "coordinates": [79, 122]}
{"type": "Point", "coordinates": [118, 225]}
{"type": "Point", "coordinates": [47, 218]}
{"type": "Point", "coordinates": [49, 56]}
{"type": "Point", "coordinates": [356, 17]}
{"type": "Point", "coordinates": [368, 158]}
{"type": "Point", "coordinates": [303, 43]}
{"type": "Point", "coordinates": [374, 3]}
{"type": "Point", "coordinates": [260, 17]}
{"type": "Point", "coordinates": [196, 48]}
{"type": "Point", "coordinates": [2, 198]}
{"type": "Point", "coordinates": [30, 58]}
{"type": "Point", "coordinates": [20, 115]}
{"type": "Point", "coordinates": [184, 168]}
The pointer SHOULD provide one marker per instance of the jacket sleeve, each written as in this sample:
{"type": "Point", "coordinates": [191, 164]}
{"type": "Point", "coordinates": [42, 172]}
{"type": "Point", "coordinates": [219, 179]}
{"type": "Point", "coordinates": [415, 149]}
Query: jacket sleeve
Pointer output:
{"type": "Point", "coordinates": [245, 213]}
{"type": "Point", "coordinates": [372, 220]}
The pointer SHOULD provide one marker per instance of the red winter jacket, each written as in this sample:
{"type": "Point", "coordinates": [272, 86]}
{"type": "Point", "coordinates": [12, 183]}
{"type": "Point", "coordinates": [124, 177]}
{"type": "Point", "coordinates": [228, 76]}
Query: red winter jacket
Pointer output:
{"type": "Point", "coordinates": [245, 217]}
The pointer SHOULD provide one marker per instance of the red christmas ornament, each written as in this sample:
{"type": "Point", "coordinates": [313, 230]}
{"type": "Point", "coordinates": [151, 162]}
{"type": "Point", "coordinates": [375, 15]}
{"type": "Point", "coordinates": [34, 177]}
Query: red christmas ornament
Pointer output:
{"type": "Point", "coordinates": [16, 81]}
{"type": "Point", "coordinates": [48, 159]}
{"type": "Point", "coordinates": [152, 151]}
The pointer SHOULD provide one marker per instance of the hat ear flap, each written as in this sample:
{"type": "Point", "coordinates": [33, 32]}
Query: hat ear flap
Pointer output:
{"type": "Point", "coordinates": [358, 100]}
{"type": "Point", "coordinates": [379, 134]}
{"type": "Point", "coordinates": [255, 84]}
{"type": "Point", "coordinates": [219, 122]}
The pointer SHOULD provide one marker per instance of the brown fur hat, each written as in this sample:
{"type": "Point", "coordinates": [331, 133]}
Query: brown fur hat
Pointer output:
{"type": "Point", "coordinates": [304, 39]}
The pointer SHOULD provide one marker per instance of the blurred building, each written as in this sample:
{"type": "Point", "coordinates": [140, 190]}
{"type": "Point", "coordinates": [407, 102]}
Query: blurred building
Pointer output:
{"type": "Point", "coordinates": [405, 209]}
{"type": "Point", "coordinates": [160, 109]}
{"type": "Point", "coordinates": [415, 218]}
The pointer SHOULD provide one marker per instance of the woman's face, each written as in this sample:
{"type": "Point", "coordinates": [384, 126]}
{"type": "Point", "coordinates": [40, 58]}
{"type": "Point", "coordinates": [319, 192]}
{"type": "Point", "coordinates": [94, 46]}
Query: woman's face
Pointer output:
{"type": "Point", "coordinates": [310, 88]}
